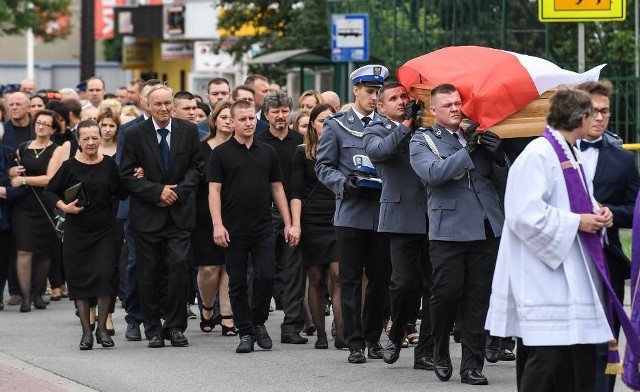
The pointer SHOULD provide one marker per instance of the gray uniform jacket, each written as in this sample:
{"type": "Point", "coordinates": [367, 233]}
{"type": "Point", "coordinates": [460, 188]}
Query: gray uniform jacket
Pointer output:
{"type": "Point", "coordinates": [463, 191]}
{"type": "Point", "coordinates": [342, 139]}
{"type": "Point", "coordinates": [403, 204]}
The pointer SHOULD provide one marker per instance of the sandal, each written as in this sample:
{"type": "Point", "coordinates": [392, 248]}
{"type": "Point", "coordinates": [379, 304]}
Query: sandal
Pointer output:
{"type": "Point", "coordinates": [207, 325]}
{"type": "Point", "coordinates": [228, 331]}
{"type": "Point", "coordinates": [412, 334]}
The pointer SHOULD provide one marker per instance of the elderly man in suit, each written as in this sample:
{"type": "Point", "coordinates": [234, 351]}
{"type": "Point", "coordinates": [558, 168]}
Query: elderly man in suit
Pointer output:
{"type": "Point", "coordinates": [403, 214]}
{"type": "Point", "coordinates": [616, 181]}
{"type": "Point", "coordinates": [356, 217]}
{"type": "Point", "coordinates": [162, 211]}
{"type": "Point", "coordinates": [466, 175]}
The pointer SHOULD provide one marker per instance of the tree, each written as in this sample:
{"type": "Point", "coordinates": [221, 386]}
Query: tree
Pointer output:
{"type": "Point", "coordinates": [49, 19]}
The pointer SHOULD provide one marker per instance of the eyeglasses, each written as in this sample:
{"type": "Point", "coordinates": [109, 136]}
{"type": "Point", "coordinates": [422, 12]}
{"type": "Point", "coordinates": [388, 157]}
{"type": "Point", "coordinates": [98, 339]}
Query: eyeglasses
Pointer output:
{"type": "Point", "coordinates": [44, 124]}
{"type": "Point", "coordinates": [606, 112]}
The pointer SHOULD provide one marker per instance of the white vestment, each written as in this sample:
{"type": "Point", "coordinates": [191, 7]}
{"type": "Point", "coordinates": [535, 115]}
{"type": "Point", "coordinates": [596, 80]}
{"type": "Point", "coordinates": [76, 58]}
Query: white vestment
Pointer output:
{"type": "Point", "coordinates": [545, 287]}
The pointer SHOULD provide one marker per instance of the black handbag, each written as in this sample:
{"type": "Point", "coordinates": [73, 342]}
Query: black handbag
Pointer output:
{"type": "Point", "coordinates": [78, 192]}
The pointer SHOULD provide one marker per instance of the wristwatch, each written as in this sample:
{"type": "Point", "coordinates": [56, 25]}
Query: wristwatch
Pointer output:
{"type": "Point", "coordinates": [24, 181]}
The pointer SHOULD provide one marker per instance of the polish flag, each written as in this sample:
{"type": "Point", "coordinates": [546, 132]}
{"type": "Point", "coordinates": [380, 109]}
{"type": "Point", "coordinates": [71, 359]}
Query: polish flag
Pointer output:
{"type": "Point", "coordinates": [493, 83]}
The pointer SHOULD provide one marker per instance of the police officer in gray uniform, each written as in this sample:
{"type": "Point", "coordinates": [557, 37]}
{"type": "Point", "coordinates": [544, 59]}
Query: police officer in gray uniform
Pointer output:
{"type": "Point", "coordinates": [403, 214]}
{"type": "Point", "coordinates": [466, 175]}
{"type": "Point", "coordinates": [356, 217]}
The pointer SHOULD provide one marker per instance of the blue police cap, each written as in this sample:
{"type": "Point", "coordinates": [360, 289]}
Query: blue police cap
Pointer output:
{"type": "Point", "coordinates": [370, 75]}
{"type": "Point", "coordinates": [9, 88]}
{"type": "Point", "coordinates": [82, 86]}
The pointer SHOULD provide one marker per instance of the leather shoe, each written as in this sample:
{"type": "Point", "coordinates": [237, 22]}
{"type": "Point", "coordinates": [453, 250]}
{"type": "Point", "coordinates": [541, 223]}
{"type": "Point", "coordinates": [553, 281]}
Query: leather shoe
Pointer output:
{"type": "Point", "coordinates": [473, 377]}
{"type": "Point", "coordinates": [374, 351]}
{"type": "Point", "coordinates": [492, 354]}
{"type": "Point", "coordinates": [443, 370]}
{"type": "Point", "coordinates": [262, 337]}
{"type": "Point", "coordinates": [246, 344]}
{"type": "Point", "coordinates": [357, 356]}
{"type": "Point", "coordinates": [507, 355]}
{"type": "Point", "coordinates": [339, 344]}
{"type": "Point", "coordinates": [177, 338]}
{"type": "Point", "coordinates": [424, 363]}
{"type": "Point", "coordinates": [156, 341]}
{"type": "Point", "coordinates": [133, 332]}
{"type": "Point", "coordinates": [293, 338]}
{"type": "Point", "coordinates": [391, 352]}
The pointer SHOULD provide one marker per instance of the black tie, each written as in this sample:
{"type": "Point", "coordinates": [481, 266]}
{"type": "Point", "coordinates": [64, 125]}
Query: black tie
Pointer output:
{"type": "Point", "coordinates": [164, 149]}
{"type": "Point", "coordinates": [365, 120]}
{"type": "Point", "coordinates": [584, 145]}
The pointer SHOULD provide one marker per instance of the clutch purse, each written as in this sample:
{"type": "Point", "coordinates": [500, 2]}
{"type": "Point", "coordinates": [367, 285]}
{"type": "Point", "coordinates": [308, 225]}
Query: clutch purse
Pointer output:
{"type": "Point", "coordinates": [77, 192]}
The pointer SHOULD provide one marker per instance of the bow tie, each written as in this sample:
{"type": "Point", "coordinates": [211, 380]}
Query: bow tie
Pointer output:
{"type": "Point", "coordinates": [584, 145]}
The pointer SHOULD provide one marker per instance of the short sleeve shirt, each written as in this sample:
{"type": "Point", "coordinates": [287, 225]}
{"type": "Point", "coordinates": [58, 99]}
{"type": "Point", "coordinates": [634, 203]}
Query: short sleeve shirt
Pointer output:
{"type": "Point", "coordinates": [246, 175]}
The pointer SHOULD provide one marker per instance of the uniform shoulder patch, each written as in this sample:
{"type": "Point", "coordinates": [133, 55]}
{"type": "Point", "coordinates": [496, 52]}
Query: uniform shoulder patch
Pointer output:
{"type": "Point", "coordinates": [336, 115]}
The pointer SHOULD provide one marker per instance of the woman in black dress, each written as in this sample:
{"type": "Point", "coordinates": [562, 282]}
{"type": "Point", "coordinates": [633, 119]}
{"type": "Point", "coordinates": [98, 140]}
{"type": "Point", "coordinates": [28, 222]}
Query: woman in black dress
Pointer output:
{"type": "Point", "coordinates": [31, 221]}
{"type": "Point", "coordinates": [312, 207]}
{"type": "Point", "coordinates": [209, 257]}
{"type": "Point", "coordinates": [89, 235]}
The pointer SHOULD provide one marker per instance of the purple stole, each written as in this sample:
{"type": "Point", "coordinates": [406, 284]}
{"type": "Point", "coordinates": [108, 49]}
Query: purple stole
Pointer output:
{"type": "Point", "coordinates": [580, 203]}
{"type": "Point", "coordinates": [631, 375]}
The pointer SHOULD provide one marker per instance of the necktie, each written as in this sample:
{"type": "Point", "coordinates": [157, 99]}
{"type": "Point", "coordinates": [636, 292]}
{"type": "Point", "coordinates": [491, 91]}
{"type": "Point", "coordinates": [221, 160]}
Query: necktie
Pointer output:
{"type": "Point", "coordinates": [365, 120]}
{"type": "Point", "coordinates": [461, 139]}
{"type": "Point", "coordinates": [584, 145]}
{"type": "Point", "coordinates": [164, 149]}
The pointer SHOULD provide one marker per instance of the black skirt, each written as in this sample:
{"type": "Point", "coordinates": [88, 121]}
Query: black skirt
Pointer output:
{"type": "Point", "coordinates": [318, 243]}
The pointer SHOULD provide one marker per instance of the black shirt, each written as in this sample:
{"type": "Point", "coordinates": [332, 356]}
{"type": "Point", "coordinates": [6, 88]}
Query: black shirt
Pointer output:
{"type": "Point", "coordinates": [284, 150]}
{"type": "Point", "coordinates": [246, 175]}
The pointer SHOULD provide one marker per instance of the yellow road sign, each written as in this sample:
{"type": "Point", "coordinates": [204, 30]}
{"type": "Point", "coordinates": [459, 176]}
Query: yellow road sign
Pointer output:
{"type": "Point", "coordinates": [581, 10]}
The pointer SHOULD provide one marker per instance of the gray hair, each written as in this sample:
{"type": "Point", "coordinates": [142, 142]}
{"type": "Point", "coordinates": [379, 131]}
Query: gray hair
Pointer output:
{"type": "Point", "coordinates": [156, 88]}
{"type": "Point", "coordinates": [276, 99]}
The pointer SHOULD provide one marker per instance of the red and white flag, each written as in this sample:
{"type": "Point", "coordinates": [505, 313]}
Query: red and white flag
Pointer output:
{"type": "Point", "coordinates": [493, 83]}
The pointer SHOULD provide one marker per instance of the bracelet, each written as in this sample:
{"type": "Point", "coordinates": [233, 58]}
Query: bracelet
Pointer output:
{"type": "Point", "coordinates": [24, 181]}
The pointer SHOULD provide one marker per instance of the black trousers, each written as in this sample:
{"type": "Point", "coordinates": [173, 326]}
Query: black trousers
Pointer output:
{"type": "Point", "coordinates": [462, 275]}
{"type": "Point", "coordinates": [292, 277]}
{"type": "Point", "coordinates": [555, 368]}
{"type": "Point", "coordinates": [360, 250]}
{"type": "Point", "coordinates": [410, 280]}
{"type": "Point", "coordinates": [262, 251]}
{"type": "Point", "coordinates": [170, 246]}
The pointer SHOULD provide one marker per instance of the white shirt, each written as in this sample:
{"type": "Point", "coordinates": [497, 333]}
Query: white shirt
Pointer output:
{"type": "Point", "coordinates": [590, 159]}
{"type": "Point", "coordinates": [168, 127]}
{"type": "Point", "coordinates": [360, 116]}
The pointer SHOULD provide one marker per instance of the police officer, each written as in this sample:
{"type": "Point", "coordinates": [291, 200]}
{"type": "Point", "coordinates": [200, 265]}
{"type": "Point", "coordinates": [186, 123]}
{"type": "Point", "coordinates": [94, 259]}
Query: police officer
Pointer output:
{"type": "Point", "coordinates": [466, 175]}
{"type": "Point", "coordinates": [403, 214]}
{"type": "Point", "coordinates": [356, 216]}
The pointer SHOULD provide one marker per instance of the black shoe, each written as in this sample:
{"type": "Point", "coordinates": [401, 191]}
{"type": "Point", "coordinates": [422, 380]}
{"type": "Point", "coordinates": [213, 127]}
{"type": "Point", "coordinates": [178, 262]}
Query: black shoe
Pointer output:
{"type": "Point", "coordinates": [133, 332]}
{"type": "Point", "coordinates": [492, 354]}
{"type": "Point", "coordinates": [156, 341]}
{"type": "Point", "coordinates": [310, 330]}
{"type": "Point", "coordinates": [507, 355]}
{"type": "Point", "coordinates": [322, 342]}
{"type": "Point", "coordinates": [293, 338]}
{"type": "Point", "coordinates": [107, 343]}
{"type": "Point", "coordinates": [246, 344]}
{"type": "Point", "coordinates": [473, 377]}
{"type": "Point", "coordinates": [424, 363]}
{"type": "Point", "coordinates": [262, 337]}
{"type": "Point", "coordinates": [443, 370]}
{"type": "Point", "coordinates": [25, 305]}
{"type": "Point", "coordinates": [339, 344]}
{"type": "Point", "coordinates": [177, 338]}
{"type": "Point", "coordinates": [38, 302]}
{"type": "Point", "coordinates": [391, 352]}
{"type": "Point", "coordinates": [357, 356]}
{"type": "Point", "coordinates": [86, 343]}
{"type": "Point", "coordinates": [374, 351]}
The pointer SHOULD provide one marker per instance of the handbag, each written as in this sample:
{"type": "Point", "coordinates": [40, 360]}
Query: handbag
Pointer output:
{"type": "Point", "coordinates": [78, 192]}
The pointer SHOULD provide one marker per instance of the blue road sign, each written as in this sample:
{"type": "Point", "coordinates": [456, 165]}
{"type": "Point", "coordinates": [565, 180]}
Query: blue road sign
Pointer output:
{"type": "Point", "coordinates": [349, 37]}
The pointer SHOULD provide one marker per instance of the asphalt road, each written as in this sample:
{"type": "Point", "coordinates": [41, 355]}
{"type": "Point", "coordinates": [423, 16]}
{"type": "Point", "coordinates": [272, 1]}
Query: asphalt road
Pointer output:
{"type": "Point", "coordinates": [39, 352]}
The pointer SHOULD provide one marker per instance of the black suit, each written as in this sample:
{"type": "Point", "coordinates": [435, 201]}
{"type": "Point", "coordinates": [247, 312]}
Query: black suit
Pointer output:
{"type": "Point", "coordinates": [615, 185]}
{"type": "Point", "coordinates": [162, 233]}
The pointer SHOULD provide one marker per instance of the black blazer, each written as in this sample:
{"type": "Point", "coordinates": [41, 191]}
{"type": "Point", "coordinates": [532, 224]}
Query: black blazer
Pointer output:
{"type": "Point", "coordinates": [615, 184]}
{"type": "Point", "coordinates": [141, 149]}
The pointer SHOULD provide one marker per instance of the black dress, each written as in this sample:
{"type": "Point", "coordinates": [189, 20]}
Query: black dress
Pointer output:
{"type": "Point", "coordinates": [318, 240]}
{"type": "Point", "coordinates": [32, 228]}
{"type": "Point", "coordinates": [89, 247]}
{"type": "Point", "coordinates": [205, 251]}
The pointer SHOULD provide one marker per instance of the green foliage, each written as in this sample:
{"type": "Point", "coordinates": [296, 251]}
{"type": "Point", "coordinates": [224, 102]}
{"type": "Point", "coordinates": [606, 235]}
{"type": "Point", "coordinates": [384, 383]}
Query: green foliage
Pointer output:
{"type": "Point", "coordinates": [112, 49]}
{"type": "Point", "coordinates": [43, 16]}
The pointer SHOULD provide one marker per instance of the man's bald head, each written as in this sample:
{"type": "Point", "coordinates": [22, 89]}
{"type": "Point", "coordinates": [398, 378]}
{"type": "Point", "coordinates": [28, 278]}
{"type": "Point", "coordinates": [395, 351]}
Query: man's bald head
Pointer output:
{"type": "Point", "coordinates": [18, 108]}
{"type": "Point", "coordinates": [332, 99]}
{"type": "Point", "coordinates": [28, 86]}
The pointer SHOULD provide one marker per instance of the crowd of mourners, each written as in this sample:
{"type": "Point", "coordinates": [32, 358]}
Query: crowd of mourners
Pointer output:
{"type": "Point", "coordinates": [241, 199]}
